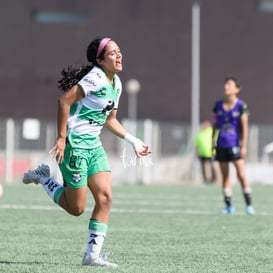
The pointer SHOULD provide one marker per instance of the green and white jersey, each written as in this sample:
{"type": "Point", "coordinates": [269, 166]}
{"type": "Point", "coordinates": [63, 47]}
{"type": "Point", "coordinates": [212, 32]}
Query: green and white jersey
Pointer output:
{"type": "Point", "coordinates": [88, 115]}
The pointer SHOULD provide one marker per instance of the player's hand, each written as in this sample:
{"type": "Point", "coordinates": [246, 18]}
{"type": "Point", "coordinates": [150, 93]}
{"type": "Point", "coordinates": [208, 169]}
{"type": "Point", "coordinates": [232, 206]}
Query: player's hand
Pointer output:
{"type": "Point", "coordinates": [140, 148]}
{"type": "Point", "coordinates": [143, 151]}
{"type": "Point", "coordinates": [243, 151]}
{"type": "Point", "coordinates": [58, 150]}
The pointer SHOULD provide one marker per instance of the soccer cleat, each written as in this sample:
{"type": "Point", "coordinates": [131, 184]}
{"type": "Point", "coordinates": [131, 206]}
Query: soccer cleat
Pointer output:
{"type": "Point", "coordinates": [250, 210]}
{"type": "Point", "coordinates": [35, 176]}
{"type": "Point", "coordinates": [87, 260]}
{"type": "Point", "coordinates": [228, 210]}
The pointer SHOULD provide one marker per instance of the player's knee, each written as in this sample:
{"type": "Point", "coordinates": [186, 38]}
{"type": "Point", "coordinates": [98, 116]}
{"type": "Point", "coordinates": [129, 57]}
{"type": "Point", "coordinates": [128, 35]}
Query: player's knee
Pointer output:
{"type": "Point", "coordinates": [105, 199]}
{"type": "Point", "coordinates": [77, 210]}
{"type": "Point", "coordinates": [108, 199]}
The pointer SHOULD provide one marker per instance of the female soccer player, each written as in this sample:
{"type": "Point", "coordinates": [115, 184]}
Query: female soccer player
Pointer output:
{"type": "Point", "coordinates": [90, 102]}
{"type": "Point", "coordinates": [231, 119]}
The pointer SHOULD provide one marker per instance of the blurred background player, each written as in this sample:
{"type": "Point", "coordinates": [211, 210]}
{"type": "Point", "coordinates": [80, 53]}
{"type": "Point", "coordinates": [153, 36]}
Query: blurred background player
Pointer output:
{"type": "Point", "coordinates": [231, 119]}
{"type": "Point", "coordinates": [203, 144]}
{"type": "Point", "coordinates": [1, 190]}
{"type": "Point", "coordinates": [90, 102]}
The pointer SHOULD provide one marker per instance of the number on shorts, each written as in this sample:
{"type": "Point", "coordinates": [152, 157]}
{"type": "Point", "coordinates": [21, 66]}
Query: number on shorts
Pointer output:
{"type": "Point", "coordinates": [75, 161]}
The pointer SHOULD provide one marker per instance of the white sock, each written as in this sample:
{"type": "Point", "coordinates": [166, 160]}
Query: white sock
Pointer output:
{"type": "Point", "coordinates": [95, 242]}
{"type": "Point", "coordinates": [53, 189]}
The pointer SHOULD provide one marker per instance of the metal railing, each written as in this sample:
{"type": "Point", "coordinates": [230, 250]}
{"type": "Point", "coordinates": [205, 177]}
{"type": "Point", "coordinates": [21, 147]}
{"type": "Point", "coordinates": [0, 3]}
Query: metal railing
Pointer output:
{"type": "Point", "coordinates": [25, 143]}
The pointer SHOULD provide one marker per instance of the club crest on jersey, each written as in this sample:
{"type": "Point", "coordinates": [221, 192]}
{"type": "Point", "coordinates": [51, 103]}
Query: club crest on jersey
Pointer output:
{"type": "Point", "coordinates": [101, 92]}
{"type": "Point", "coordinates": [108, 107]}
{"type": "Point", "coordinates": [76, 177]}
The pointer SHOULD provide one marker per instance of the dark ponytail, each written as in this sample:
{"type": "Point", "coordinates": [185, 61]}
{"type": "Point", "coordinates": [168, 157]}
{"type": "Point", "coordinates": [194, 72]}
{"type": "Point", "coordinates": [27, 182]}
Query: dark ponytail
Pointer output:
{"type": "Point", "coordinates": [72, 75]}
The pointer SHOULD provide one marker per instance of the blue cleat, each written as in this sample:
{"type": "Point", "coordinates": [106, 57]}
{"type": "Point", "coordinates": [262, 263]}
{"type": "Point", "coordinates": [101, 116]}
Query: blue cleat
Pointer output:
{"type": "Point", "coordinates": [250, 210]}
{"type": "Point", "coordinates": [228, 210]}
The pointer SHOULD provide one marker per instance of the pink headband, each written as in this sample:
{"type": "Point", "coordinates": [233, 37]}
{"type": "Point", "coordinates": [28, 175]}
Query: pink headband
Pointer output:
{"type": "Point", "coordinates": [102, 45]}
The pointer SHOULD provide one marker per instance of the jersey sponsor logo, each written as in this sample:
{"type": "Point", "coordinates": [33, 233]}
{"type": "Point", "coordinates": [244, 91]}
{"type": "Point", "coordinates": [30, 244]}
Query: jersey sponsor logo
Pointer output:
{"type": "Point", "coordinates": [89, 81]}
{"type": "Point", "coordinates": [101, 92]}
{"type": "Point", "coordinates": [236, 114]}
{"type": "Point", "coordinates": [227, 128]}
{"type": "Point", "coordinates": [99, 75]}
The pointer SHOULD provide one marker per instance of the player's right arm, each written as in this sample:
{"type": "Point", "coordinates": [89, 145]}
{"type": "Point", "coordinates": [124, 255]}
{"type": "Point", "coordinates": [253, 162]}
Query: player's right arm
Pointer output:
{"type": "Point", "coordinates": [214, 133]}
{"type": "Point", "coordinates": [214, 128]}
{"type": "Point", "coordinates": [64, 103]}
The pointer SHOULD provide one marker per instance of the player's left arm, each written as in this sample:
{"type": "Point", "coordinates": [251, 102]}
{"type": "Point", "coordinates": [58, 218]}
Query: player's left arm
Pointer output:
{"type": "Point", "coordinates": [117, 129]}
{"type": "Point", "coordinates": [113, 125]}
{"type": "Point", "coordinates": [244, 134]}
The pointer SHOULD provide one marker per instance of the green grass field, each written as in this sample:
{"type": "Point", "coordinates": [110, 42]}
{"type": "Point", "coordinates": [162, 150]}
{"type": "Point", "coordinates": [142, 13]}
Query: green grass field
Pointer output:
{"type": "Point", "coordinates": [175, 228]}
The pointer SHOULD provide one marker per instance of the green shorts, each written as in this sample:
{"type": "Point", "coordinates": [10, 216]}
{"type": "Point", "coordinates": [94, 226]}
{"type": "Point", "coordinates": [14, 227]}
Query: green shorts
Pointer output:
{"type": "Point", "coordinates": [79, 164]}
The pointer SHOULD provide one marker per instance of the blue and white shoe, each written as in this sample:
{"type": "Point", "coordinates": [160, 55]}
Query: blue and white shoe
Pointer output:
{"type": "Point", "coordinates": [35, 176]}
{"type": "Point", "coordinates": [250, 210]}
{"type": "Point", "coordinates": [228, 210]}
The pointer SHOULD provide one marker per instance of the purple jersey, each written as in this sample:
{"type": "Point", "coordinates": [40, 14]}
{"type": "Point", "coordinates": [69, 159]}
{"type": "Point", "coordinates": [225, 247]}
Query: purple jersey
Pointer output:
{"type": "Point", "coordinates": [229, 123]}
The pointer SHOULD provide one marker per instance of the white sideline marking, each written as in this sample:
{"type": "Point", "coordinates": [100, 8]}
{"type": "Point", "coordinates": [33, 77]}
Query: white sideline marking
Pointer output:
{"type": "Point", "coordinates": [9, 206]}
{"type": "Point", "coordinates": [143, 211]}
{"type": "Point", "coordinates": [113, 210]}
{"type": "Point", "coordinates": [160, 203]}
{"type": "Point", "coordinates": [162, 197]}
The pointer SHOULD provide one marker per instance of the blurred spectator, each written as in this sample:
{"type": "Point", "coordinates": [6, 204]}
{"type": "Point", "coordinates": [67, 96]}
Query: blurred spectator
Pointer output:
{"type": "Point", "coordinates": [203, 144]}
